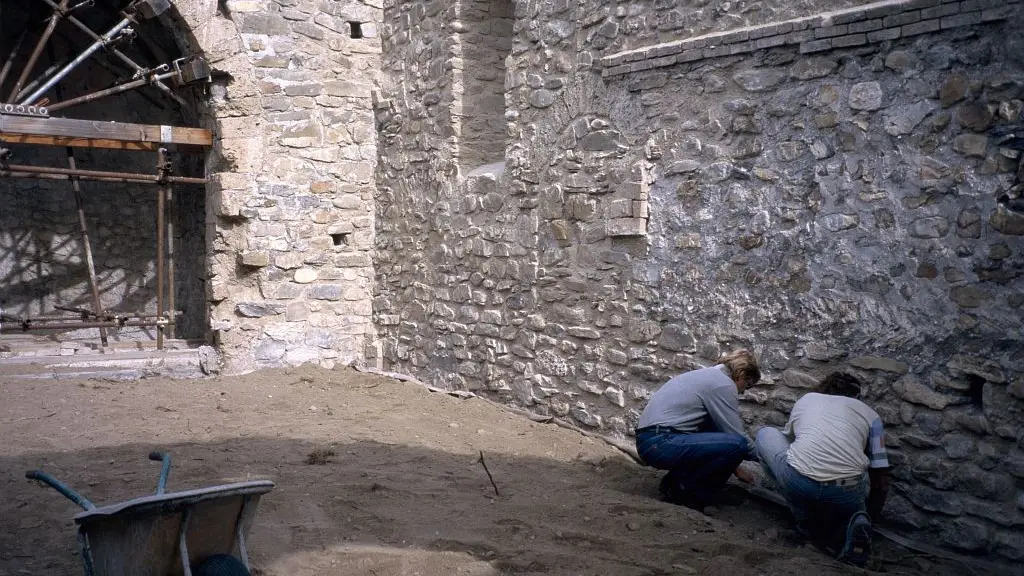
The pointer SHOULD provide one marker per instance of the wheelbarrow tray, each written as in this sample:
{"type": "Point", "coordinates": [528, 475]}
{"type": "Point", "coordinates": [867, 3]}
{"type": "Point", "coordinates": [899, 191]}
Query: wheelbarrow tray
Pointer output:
{"type": "Point", "coordinates": [150, 536]}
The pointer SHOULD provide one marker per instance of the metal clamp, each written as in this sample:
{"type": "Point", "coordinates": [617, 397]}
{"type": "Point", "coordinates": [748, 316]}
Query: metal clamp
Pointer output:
{"type": "Point", "coordinates": [191, 69]}
{"type": "Point", "coordinates": [163, 167]}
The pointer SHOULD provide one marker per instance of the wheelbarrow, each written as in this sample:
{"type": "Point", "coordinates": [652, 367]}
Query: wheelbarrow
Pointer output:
{"type": "Point", "coordinates": [198, 532]}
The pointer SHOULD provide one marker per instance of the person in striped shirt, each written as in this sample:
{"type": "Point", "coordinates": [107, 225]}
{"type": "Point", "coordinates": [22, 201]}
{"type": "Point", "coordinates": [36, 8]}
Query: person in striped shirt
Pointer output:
{"type": "Point", "coordinates": [830, 464]}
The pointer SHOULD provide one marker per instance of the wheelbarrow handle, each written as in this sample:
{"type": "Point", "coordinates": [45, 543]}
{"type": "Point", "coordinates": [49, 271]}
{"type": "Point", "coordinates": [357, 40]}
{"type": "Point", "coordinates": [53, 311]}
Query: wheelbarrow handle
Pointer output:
{"type": "Point", "coordinates": [165, 470]}
{"type": "Point", "coordinates": [60, 487]}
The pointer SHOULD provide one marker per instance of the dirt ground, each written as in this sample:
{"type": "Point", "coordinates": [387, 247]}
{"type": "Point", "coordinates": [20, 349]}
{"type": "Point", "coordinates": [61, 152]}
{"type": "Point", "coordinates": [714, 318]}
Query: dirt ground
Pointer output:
{"type": "Point", "coordinates": [404, 492]}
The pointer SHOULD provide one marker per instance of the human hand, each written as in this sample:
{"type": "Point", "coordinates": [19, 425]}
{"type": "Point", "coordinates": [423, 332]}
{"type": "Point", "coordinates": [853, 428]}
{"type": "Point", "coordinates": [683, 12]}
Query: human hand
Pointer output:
{"type": "Point", "coordinates": [744, 475]}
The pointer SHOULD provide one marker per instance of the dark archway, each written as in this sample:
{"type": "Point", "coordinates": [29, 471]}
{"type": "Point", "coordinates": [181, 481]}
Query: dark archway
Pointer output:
{"type": "Point", "coordinates": [137, 73]}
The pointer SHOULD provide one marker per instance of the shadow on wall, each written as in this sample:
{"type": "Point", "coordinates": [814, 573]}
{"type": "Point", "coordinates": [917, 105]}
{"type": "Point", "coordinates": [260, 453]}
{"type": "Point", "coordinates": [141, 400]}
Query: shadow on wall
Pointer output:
{"type": "Point", "coordinates": [42, 259]}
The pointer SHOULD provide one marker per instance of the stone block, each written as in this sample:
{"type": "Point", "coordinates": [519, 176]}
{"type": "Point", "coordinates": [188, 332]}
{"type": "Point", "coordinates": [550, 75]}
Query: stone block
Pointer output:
{"type": "Point", "coordinates": [716, 51]}
{"type": "Point", "coordinates": [922, 27]}
{"type": "Point", "coordinates": [830, 31]}
{"type": "Point", "coordinates": [254, 259]}
{"type": "Point", "coordinates": [1007, 221]}
{"type": "Point", "coordinates": [800, 36]}
{"type": "Point", "coordinates": [258, 309]}
{"type": "Point", "coordinates": [884, 35]}
{"type": "Point", "coordinates": [267, 23]}
{"type": "Point", "coordinates": [584, 332]}
{"type": "Point", "coordinates": [619, 209]}
{"type": "Point", "coordinates": [933, 500]}
{"type": "Point", "coordinates": [759, 80]}
{"type": "Point", "coordinates": [961, 365]}
{"type": "Point", "coordinates": [880, 364]}
{"type": "Point", "coordinates": [305, 275]}
{"type": "Point", "coordinates": [798, 379]}
{"type": "Point", "coordinates": [930, 227]}
{"type": "Point", "coordinates": [730, 37]}
{"type": "Point", "coordinates": [268, 350]}
{"type": "Point", "coordinates": [866, 96]}
{"type": "Point", "coordinates": [849, 40]}
{"type": "Point", "coordinates": [296, 312]}
{"type": "Point", "coordinates": [902, 18]}
{"type": "Point", "coordinates": [690, 56]}
{"type": "Point", "coordinates": [999, 12]}
{"type": "Point", "coordinates": [741, 48]}
{"type": "Point", "coordinates": [911, 389]}
{"type": "Point", "coordinates": [781, 30]}
{"type": "Point", "coordinates": [690, 240]}
{"type": "Point", "coordinates": [975, 145]}
{"type": "Point", "coordinates": [965, 534]}
{"type": "Point", "coordinates": [770, 42]}
{"type": "Point", "coordinates": [615, 396]}
{"type": "Point", "coordinates": [963, 19]}
{"type": "Point", "coordinates": [974, 116]}
{"type": "Point", "coordinates": [626, 227]}
{"type": "Point", "coordinates": [866, 26]}
{"type": "Point", "coordinates": [968, 296]}
{"type": "Point", "coordinates": [941, 10]}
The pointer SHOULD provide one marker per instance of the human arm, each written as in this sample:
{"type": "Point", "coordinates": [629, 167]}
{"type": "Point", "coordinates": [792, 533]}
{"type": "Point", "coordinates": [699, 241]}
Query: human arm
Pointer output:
{"type": "Point", "coordinates": [878, 470]}
{"type": "Point", "coordinates": [724, 410]}
{"type": "Point", "coordinates": [879, 490]}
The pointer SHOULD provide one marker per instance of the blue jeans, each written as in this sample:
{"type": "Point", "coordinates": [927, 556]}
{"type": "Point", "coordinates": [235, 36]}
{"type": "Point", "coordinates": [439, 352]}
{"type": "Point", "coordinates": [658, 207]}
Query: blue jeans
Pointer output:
{"type": "Point", "coordinates": [698, 463]}
{"type": "Point", "coordinates": [822, 509]}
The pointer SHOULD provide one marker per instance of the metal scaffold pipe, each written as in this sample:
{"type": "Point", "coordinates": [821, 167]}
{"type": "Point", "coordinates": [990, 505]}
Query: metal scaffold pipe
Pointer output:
{"type": "Point", "coordinates": [15, 169]}
{"type": "Point", "coordinates": [96, 45]}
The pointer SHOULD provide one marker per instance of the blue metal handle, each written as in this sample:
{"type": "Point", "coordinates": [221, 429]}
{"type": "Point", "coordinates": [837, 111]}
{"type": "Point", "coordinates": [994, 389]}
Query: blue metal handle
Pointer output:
{"type": "Point", "coordinates": [165, 470]}
{"type": "Point", "coordinates": [60, 487]}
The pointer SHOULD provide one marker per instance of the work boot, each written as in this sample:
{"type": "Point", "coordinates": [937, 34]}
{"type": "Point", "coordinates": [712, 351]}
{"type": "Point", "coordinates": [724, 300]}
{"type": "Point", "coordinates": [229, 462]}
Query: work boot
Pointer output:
{"type": "Point", "coordinates": [674, 493]}
{"type": "Point", "coordinates": [857, 548]}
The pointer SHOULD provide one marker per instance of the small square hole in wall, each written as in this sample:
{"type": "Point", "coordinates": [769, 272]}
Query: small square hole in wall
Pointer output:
{"type": "Point", "coordinates": [355, 29]}
{"type": "Point", "coordinates": [976, 390]}
{"type": "Point", "coordinates": [340, 239]}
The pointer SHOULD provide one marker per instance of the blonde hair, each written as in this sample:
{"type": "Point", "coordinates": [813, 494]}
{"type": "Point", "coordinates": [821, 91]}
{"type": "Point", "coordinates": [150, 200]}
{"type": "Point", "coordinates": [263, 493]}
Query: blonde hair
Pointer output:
{"type": "Point", "coordinates": [742, 366]}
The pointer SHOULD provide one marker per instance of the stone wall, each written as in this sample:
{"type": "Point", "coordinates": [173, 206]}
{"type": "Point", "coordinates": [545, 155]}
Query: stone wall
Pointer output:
{"type": "Point", "coordinates": [283, 265]}
{"type": "Point", "coordinates": [290, 224]}
{"type": "Point", "coordinates": [415, 171]}
{"type": "Point", "coordinates": [829, 204]}
{"type": "Point", "coordinates": [627, 24]}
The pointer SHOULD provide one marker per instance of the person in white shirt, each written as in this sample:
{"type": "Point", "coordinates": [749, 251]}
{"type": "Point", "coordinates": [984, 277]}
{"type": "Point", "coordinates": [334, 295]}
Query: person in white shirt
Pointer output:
{"type": "Point", "coordinates": [819, 462]}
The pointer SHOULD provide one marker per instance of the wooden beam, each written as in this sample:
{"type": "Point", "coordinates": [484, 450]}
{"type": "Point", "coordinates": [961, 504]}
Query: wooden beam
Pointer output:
{"type": "Point", "coordinates": [98, 134]}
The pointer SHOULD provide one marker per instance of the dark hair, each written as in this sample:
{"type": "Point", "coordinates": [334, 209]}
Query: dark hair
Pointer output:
{"type": "Point", "coordinates": [841, 384]}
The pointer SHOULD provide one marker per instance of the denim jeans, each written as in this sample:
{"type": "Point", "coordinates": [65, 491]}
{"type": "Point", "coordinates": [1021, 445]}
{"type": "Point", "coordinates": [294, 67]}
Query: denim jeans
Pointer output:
{"type": "Point", "coordinates": [698, 463]}
{"type": "Point", "coordinates": [821, 509]}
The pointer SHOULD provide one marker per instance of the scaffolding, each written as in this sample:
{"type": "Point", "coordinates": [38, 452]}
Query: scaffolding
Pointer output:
{"type": "Point", "coordinates": [25, 119]}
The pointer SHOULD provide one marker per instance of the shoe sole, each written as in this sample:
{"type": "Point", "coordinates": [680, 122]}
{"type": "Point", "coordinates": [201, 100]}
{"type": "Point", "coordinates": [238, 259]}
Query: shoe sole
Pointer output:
{"type": "Point", "coordinates": [858, 544]}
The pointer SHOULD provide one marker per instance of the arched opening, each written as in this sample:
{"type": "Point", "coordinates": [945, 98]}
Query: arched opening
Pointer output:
{"type": "Point", "coordinates": [79, 258]}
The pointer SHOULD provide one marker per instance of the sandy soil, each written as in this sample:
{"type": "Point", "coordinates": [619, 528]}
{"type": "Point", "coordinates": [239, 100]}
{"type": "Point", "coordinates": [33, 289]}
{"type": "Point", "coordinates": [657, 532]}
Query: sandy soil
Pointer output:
{"type": "Point", "coordinates": [403, 494]}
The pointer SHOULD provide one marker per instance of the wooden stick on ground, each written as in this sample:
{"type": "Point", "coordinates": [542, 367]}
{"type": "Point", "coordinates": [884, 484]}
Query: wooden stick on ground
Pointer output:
{"type": "Point", "coordinates": [489, 477]}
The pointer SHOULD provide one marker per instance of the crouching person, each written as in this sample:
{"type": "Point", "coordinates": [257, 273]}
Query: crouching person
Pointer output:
{"type": "Point", "coordinates": [691, 427]}
{"type": "Point", "coordinates": [819, 462]}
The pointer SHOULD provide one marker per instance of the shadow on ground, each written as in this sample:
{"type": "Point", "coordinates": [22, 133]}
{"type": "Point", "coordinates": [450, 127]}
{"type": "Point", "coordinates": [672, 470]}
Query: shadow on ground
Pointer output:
{"type": "Point", "coordinates": [376, 508]}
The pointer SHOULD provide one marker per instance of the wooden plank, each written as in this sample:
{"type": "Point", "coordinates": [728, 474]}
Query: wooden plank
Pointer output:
{"type": "Point", "coordinates": [79, 142]}
{"type": "Point", "coordinates": [94, 133]}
